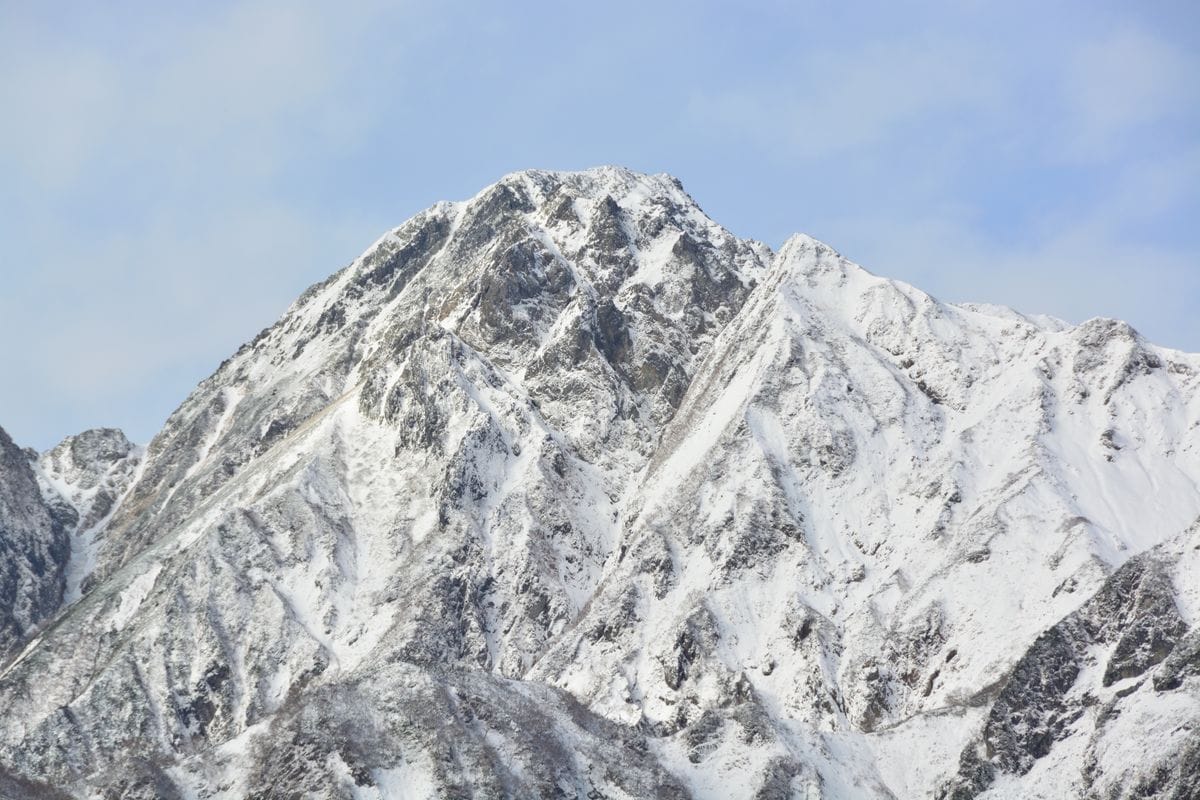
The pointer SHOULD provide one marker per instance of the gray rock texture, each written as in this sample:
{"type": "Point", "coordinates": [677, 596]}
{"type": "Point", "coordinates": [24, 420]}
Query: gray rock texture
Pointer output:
{"type": "Point", "coordinates": [34, 551]}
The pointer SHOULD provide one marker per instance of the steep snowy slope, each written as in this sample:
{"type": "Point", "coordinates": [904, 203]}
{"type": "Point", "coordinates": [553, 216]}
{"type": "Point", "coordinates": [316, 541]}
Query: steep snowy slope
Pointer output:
{"type": "Point", "coordinates": [566, 489]}
{"type": "Point", "coordinates": [867, 506]}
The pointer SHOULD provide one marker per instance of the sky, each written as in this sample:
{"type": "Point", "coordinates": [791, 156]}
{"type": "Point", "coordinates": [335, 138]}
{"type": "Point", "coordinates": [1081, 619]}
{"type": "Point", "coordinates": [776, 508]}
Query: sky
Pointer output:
{"type": "Point", "coordinates": [173, 175]}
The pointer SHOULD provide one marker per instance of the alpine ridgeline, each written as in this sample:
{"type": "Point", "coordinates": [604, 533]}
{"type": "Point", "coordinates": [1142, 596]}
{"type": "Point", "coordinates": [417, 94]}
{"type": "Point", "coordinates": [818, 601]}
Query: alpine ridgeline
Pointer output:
{"type": "Point", "coordinates": [566, 491]}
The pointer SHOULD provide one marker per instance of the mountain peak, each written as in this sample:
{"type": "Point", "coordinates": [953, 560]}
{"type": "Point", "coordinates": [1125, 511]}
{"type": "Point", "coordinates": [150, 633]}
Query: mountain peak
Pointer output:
{"type": "Point", "coordinates": [90, 470]}
{"type": "Point", "coordinates": [597, 181]}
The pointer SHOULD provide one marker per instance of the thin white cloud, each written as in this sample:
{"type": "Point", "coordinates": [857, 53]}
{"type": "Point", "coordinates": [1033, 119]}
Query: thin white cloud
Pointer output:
{"type": "Point", "coordinates": [1114, 86]}
{"type": "Point", "coordinates": [833, 100]}
{"type": "Point", "coordinates": [56, 103]}
{"type": "Point", "coordinates": [239, 86]}
{"type": "Point", "coordinates": [968, 94]}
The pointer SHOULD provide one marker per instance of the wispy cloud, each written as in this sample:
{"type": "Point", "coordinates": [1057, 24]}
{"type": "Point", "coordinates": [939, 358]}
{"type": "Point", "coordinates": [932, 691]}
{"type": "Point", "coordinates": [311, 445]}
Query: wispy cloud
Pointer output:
{"type": "Point", "coordinates": [1118, 86]}
{"type": "Point", "coordinates": [831, 100]}
{"type": "Point", "coordinates": [243, 89]}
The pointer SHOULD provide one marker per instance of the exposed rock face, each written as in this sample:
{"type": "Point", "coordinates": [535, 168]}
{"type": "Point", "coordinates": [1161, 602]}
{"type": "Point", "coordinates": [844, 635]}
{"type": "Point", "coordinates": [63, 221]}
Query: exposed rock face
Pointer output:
{"type": "Point", "coordinates": [567, 491]}
{"type": "Point", "coordinates": [83, 479]}
{"type": "Point", "coordinates": [91, 471]}
{"type": "Point", "coordinates": [34, 551]}
{"type": "Point", "coordinates": [1085, 672]}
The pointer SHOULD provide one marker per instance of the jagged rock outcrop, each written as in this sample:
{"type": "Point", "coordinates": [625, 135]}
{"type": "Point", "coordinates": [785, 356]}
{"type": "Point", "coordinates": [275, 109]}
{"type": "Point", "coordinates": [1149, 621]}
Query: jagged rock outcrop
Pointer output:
{"type": "Point", "coordinates": [565, 488]}
{"type": "Point", "coordinates": [34, 551]}
{"type": "Point", "coordinates": [1113, 658]}
{"type": "Point", "coordinates": [83, 480]}
{"type": "Point", "coordinates": [90, 471]}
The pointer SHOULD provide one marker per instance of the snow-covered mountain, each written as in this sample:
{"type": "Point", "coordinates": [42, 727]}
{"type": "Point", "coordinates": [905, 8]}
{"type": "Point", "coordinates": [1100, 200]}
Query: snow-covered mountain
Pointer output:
{"type": "Point", "coordinates": [565, 490]}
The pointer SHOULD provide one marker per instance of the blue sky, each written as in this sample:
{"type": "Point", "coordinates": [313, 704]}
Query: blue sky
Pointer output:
{"type": "Point", "coordinates": [173, 175]}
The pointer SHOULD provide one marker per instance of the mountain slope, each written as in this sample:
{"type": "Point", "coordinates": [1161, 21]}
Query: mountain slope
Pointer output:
{"type": "Point", "coordinates": [866, 508]}
{"type": "Point", "coordinates": [567, 489]}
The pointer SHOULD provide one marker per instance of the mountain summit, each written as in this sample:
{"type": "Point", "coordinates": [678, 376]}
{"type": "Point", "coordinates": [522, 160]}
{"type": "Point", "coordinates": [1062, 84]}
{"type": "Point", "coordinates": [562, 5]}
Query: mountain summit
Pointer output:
{"type": "Point", "coordinates": [567, 491]}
